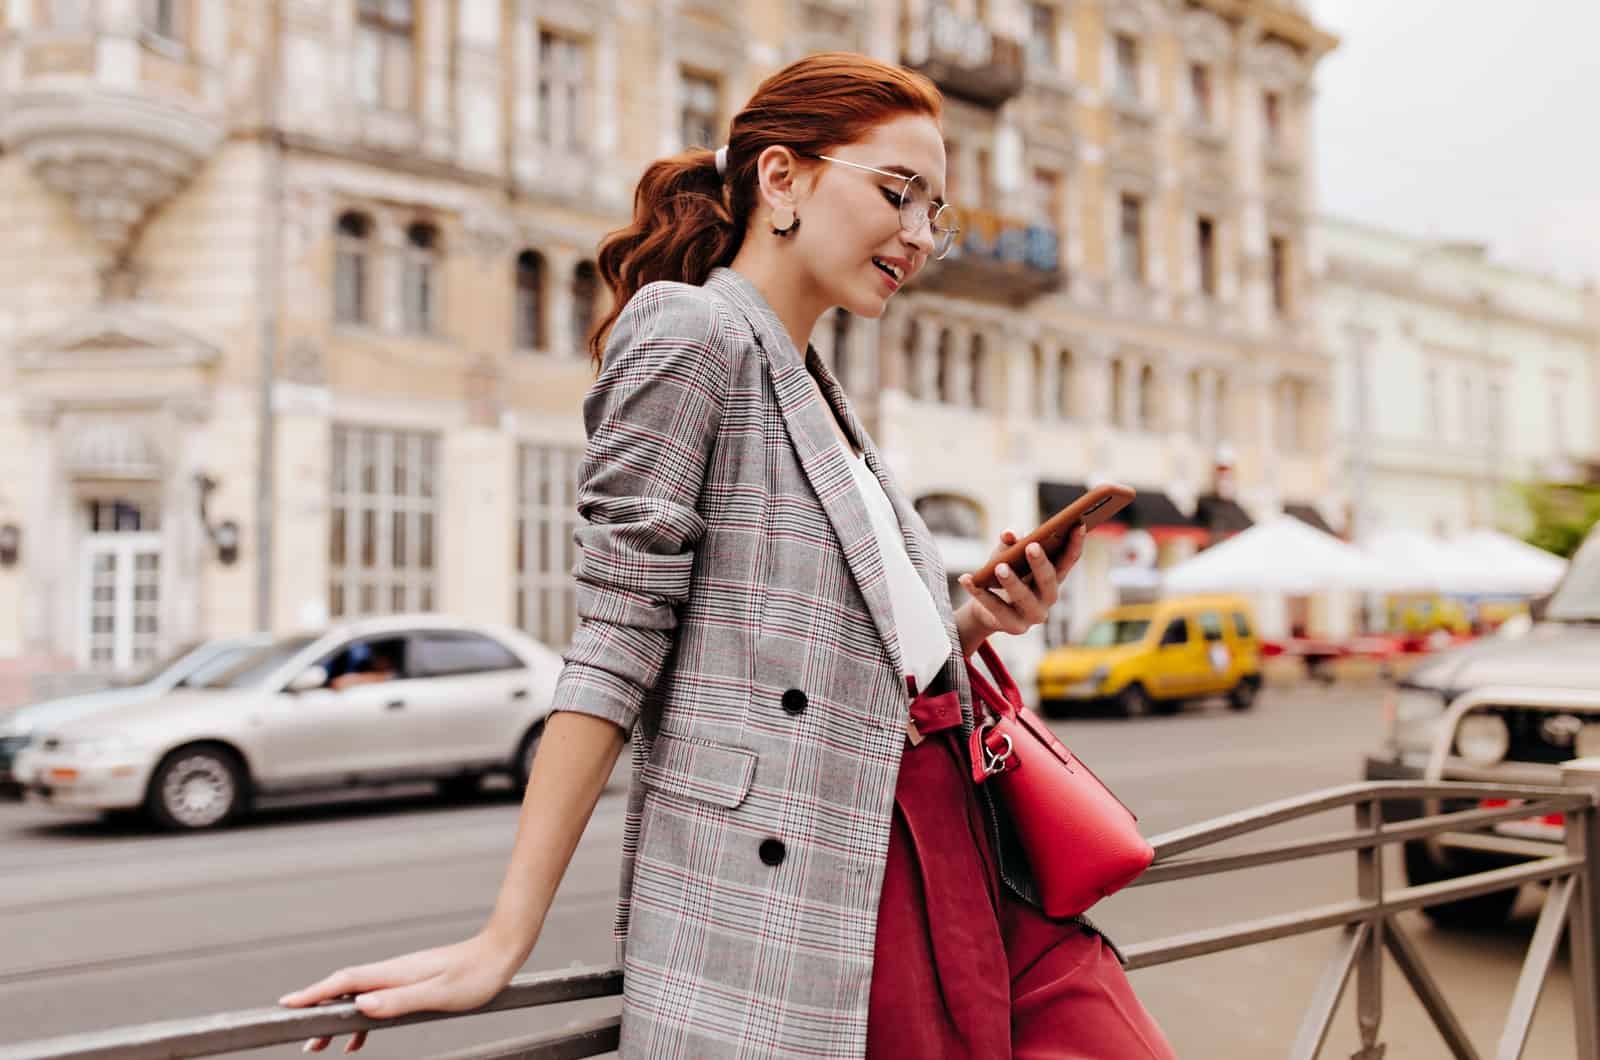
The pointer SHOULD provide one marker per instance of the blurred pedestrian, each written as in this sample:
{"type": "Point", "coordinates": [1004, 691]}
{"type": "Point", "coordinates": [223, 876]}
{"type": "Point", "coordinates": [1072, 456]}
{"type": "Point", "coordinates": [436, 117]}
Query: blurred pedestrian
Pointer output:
{"type": "Point", "coordinates": [808, 868]}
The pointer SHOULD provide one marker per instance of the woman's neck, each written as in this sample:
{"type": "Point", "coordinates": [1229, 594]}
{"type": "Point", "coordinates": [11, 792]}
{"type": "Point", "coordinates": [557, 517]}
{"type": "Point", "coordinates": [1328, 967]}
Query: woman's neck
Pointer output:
{"type": "Point", "coordinates": [760, 262]}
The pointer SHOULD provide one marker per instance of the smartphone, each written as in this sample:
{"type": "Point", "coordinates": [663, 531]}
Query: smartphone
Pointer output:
{"type": "Point", "coordinates": [1092, 509]}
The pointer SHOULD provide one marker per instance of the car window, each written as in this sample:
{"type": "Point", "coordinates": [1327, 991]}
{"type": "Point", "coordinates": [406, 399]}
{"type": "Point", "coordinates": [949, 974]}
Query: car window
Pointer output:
{"type": "Point", "coordinates": [1210, 625]}
{"type": "Point", "coordinates": [161, 665]}
{"type": "Point", "coordinates": [369, 659]}
{"type": "Point", "coordinates": [259, 664]}
{"type": "Point", "coordinates": [1109, 631]}
{"type": "Point", "coordinates": [448, 652]}
{"type": "Point", "coordinates": [219, 663]}
{"type": "Point", "coordinates": [1177, 632]}
{"type": "Point", "coordinates": [1241, 624]}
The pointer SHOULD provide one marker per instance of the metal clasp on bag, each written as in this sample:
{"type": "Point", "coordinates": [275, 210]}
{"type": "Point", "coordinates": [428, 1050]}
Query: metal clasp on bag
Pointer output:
{"type": "Point", "coordinates": [993, 763]}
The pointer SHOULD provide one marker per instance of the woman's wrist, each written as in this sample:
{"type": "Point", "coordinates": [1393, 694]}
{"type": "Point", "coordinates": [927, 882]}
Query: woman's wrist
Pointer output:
{"type": "Point", "coordinates": [970, 628]}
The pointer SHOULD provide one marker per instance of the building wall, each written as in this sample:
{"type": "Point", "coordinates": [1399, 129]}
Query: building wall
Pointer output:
{"type": "Point", "coordinates": [1478, 377]}
{"type": "Point", "coordinates": [133, 350]}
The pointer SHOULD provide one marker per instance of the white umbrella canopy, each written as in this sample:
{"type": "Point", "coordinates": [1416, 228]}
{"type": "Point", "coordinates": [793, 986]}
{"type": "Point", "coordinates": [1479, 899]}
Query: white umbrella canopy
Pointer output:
{"type": "Point", "coordinates": [1284, 555]}
{"type": "Point", "coordinates": [1507, 565]}
{"type": "Point", "coordinates": [1433, 565]}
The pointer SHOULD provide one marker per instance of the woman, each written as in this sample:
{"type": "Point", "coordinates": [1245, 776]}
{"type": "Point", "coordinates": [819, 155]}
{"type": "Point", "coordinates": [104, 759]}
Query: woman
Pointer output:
{"type": "Point", "coordinates": [808, 868]}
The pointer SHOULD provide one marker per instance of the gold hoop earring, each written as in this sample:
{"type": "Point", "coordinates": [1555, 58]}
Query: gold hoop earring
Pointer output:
{"type": "Point", "coordinates": [784, 221]}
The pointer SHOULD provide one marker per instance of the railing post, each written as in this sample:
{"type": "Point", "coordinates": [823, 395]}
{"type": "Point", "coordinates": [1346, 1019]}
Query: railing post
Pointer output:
{"type": "Point", "coordinates": [1583, 840]}
{"type": "Point", "coordinates": [1369, 967]}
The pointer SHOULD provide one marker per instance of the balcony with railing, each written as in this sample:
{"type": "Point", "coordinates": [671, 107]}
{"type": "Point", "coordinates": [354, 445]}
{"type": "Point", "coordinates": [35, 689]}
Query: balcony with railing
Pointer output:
{"type": "Point", "coordinates": [963, 56]}
{"type": "Point", "coordinates": [999, 259]}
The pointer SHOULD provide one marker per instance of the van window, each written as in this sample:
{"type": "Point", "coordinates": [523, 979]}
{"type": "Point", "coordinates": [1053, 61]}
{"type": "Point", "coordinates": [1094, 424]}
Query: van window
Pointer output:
{"type": "Point", "coordinates": [1210, 625]}
{"type": "Point", "coordinates": [1177, 632]}
{"type": "Point", "coordinates": [1241, 624]}
{"type": "Point", "coordinates": [1109, 631]}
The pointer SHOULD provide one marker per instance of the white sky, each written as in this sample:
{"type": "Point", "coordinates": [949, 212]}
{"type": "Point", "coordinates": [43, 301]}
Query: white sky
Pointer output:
{"type": "Point", "coordinates": [1466, 119]}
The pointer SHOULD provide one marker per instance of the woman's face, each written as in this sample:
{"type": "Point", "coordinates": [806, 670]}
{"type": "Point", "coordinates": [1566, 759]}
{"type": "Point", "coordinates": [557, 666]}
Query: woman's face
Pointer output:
{"type": "Point", "coordinates": [850, 226]}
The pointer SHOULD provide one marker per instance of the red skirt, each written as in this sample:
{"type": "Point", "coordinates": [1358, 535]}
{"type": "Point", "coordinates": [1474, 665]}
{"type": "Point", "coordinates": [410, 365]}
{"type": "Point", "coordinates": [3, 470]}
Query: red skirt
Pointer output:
{"type": "Point", "coordinates": [963, 968]}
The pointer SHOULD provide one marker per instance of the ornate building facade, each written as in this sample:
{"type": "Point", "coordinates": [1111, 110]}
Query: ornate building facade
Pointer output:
{"type": "Point", "coordinates": [297, 288]}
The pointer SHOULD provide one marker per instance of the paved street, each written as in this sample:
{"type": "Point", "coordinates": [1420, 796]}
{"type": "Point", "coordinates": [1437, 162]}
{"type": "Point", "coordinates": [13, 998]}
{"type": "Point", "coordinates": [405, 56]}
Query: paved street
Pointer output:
{"type": "Point", "coordinates": [111, 924]}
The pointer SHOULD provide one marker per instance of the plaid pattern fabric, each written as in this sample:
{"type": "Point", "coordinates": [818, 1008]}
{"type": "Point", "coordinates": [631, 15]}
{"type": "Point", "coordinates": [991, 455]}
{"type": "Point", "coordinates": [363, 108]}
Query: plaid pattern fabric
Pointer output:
{"type": "Point", "coordinates": [727, 568]}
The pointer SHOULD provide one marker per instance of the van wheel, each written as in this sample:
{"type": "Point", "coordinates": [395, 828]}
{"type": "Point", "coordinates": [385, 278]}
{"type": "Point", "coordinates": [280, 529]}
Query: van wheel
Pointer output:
{"type": "Point", "coordinates": [1243, 696]}
{"type": "Point", "coordinates": [1484, 911]}
{"type": "Point", "coordinates": [195, 788]}
{"type": "Point", "coordinates": [1134, 701]}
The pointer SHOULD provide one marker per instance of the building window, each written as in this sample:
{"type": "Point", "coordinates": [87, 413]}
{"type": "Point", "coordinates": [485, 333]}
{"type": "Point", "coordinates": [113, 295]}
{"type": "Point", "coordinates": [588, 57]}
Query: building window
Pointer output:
{"type": "Point", "coordinates": [1118, 405]}
{"type": "Point", "coordinates": [1291, 415]}
{"type": "Point", "coordinates": [1272, 118]}
{"type": "Point", "coordinates": [1127, 55]}
{"type": "Point", "coordinates": [1279, 252]}
{"type": "Point", "coordinates": [385, 508]}
{"type": "Point", "coordinates": [700, 98]}
{"type": "Point", "coordinates": [951, 515]}
{"type": "Point", "coordinates": [530, 334]}
{"type": "Point", "coordinates": [547, 517]}
{"type": "Point", "coordinates": [985, 165]}
{"type": "Point", "coordinates": [419, 279]}
{"type": "Point", "coordinates": [1205, 235]}
{"type": "Point", "coordinates": [351, 268]}
{"type": "Point", "coordinates": [1201, 105]}
{"type": "Point", "coordinates": [1496, 414]}
{"type": "Point", "coordinates": [162, 18]}
{"type": "Point", "coordinates": [1149, 400]}
{"type": "Point", "coordinates": [975, 378]}
{"type": "Point", "coordinates": [1465, 417]}
{"type": "Point", "coordinates": [1131, 240]}
{"type": "Point", "coordinates": [844, 367]}
{"type": "Point", "coordinates": [944, 368]}
{"type": "Point", "coordinates": [1047, 199]}
{"type": "Point", "coordinates": [386, 54]}
{"type": "Point", "coordinates": [585, 293]}
{"type": "Point", "coordinates": [1432, 397]}
{"type": "Point", "coordinates": [1043, 50]}
{"type": "Point", "coordinates": [1064, 389]}
{"type": "Point", "coordinates": [563, 91]}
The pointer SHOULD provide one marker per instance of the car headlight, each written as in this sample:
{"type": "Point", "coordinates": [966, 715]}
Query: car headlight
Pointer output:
{"type": "Point", "coordinates": [97, 746]}
{"type": "Point", "coordinates": [1483, 739]}
{"type": "Point", "coordinates": [13, 727]}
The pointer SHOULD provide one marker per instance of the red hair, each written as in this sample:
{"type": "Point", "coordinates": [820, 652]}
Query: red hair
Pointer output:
{"type": "Point", "coordinates": [688, 219]}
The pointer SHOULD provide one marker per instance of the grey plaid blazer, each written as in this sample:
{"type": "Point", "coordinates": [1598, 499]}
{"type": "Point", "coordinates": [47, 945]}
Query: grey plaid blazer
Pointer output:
{"type": "Point", "coordinates": [734, 606]}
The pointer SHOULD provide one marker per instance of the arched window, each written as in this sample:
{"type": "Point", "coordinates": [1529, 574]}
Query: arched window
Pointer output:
{"type": "Point", "coordinates": [843, 368]}
{"type": "Point", "coordinates": [1202, 425]}
{"type": "Point", "coordinates": [1149, 400]}
{"type": "Point", "coordinates": [585, 292]}
{"type": "Point", "coordinates": [1118, 419]}
{"type": "Point", "coordinates": [1041, 397]}
{"type": "Point", "coordinates": [951, 515]}
{"type": "Point", "coordinates": [419, 279]}
{"type": "Point", "coordinates": [529, 326]}
{"type": "Point", "coordinates": [351, 268]}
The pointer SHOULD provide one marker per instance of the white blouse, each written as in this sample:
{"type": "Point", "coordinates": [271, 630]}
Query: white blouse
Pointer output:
{"type": "Point", "coordinates": [924, 643]}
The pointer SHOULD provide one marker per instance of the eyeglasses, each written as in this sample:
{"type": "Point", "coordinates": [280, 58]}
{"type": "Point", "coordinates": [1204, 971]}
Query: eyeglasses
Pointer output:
{"type": "Point", "coordinates": [916, 205]}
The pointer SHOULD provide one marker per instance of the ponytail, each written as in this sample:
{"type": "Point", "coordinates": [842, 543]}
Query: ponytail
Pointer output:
{"type": "Point", "coordinates": [683, 227]}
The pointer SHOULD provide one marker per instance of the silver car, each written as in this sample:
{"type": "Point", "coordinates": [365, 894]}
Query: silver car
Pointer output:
{"type": "Point", "coordinates": [192, 664]}
{"type": "Point", "coordinates": [402, 698]}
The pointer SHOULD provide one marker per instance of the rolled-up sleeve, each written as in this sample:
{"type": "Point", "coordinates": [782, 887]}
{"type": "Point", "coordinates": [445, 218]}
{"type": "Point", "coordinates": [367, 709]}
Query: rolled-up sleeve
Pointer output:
{"type": "Point", "coordinates": [652, 418]}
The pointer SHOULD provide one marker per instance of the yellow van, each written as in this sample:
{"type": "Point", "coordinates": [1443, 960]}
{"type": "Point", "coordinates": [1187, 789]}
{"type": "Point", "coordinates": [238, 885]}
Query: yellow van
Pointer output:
{"type": "Point", "coordinates": [1152, 657]}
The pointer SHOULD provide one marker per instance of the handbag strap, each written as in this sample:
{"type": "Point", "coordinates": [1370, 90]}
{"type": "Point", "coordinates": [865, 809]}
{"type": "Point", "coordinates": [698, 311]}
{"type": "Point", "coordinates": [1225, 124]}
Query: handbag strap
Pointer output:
{"type": "Point", "coordinates": [1006, 701]}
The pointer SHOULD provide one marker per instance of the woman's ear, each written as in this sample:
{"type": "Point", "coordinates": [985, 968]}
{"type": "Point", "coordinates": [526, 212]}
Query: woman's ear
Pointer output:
{"type": "Point", "coordinates": [781, 180]}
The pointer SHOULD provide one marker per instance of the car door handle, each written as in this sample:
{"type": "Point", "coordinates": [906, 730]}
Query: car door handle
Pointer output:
{"type": "Point", "coordinates": [521, 693]}
{"type": "Point", "coordinates": [395, 704]}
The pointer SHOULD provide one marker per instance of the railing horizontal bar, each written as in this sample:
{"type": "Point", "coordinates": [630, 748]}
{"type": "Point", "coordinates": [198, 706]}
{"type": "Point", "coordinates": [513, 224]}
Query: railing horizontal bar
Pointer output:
{"type": "Point", "coordinates": [1306, 921]}
{"type": "Point", "coordinates": [1182, 840]}
{"type": "Point", "coordinates": [253, 1028]}
{"type": "Point", "coordinates": [575, 1042]}
{"type": "Point", "coordinates": [1319, 1014]}
{"type": "Point", "coordinates": [1536, 968]}
{"type": "Point", "coordinates": [1409, 959]}
{"type": "Point", "coordinates": [1180, 868]}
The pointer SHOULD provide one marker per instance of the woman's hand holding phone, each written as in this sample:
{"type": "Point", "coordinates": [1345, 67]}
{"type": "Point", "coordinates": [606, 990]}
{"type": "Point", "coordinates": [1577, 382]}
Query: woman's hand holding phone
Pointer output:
{"type": "Point", "coordinates": [1027, 602]}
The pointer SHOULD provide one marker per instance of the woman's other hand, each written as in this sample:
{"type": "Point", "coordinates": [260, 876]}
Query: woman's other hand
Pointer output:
{"type": "Point", "coordinates": [1030, 602]}
{"type": "Point", "coordinates": [455, 978]}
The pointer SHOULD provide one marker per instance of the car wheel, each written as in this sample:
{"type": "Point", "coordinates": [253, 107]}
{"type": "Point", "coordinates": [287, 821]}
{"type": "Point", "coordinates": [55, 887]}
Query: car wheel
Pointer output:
{"type": "Point", "coordinates": [460, 789]}
{"type": "Point", "coordinates": [1243, 696]}
{"type": "Point", "coordinates": [1486, 910]}
{"type": "Point", "coordinates": [1134, 701]}
{"type": "Point", "coordinates": [196, 788]}
{"type": "Point", "coordinates": [1052, 708]}
{"type": "Point", "coordinates": [522, 763]}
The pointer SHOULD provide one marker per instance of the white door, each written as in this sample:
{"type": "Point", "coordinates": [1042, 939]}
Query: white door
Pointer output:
{"type": "Point", "coordinates": [120, 624]}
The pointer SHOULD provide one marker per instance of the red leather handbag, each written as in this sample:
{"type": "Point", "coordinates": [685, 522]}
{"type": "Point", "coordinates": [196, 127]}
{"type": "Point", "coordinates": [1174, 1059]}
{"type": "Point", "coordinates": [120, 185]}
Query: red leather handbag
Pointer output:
{"type": "Point", "coordinates": [1082, 842]}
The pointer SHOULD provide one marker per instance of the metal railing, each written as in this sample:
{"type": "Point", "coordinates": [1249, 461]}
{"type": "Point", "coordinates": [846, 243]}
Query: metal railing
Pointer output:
{"type": "Point", "coordinates": [1367, 925]}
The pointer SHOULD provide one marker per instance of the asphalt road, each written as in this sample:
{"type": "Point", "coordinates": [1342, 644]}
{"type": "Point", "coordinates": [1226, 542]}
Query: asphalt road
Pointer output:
{"type": "Point", "coordinates": [104, 925]}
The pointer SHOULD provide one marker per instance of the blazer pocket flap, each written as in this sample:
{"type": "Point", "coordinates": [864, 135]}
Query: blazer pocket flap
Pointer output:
{"type": "Point", "coordinates": [698, 769]}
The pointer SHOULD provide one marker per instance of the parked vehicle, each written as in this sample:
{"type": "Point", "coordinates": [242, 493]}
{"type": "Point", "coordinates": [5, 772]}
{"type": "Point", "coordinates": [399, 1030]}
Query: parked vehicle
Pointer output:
{"type": "Point", "coordinates": [402, 698]}
{"type": "Point", "coordinates": [1515, 744]}
{"type": "Point", "coordinates": [1155, 656]}
{"type": "Point", "coordinates": [193, 663]}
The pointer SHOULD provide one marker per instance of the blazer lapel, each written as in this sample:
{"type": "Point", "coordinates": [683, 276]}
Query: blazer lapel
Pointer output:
{"type": "Point", "coordinates": [825, 465]}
